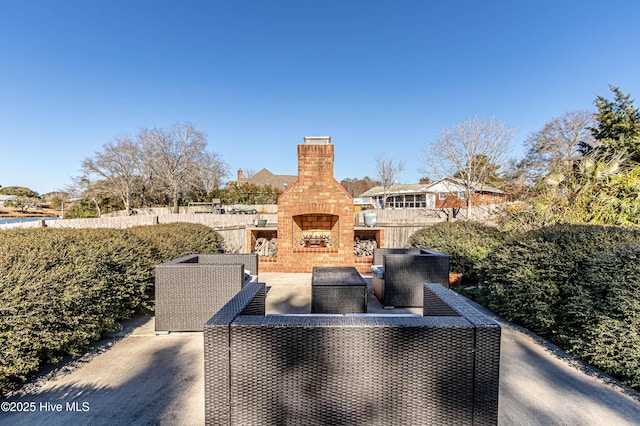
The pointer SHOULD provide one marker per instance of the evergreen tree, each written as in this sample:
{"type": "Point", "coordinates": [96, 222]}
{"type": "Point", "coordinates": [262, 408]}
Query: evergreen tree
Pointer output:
{"type": "Point", "coordinates": [617, 129]}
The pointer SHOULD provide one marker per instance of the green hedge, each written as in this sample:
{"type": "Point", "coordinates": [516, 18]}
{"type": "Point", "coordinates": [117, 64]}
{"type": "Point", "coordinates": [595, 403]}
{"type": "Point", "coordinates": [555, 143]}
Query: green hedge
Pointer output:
{"type": "Point", "coordinates": [174, 240]}
{"type": "Point", "coordinates": [599, 313]}
{"type": "Point", "coordinates": [578, 284]}
{"type": "Point", "coordinates": [61, 289]}
{"type": "Point", "coordinates": [467, 243]}
{"type": "Point", "coordinates": [522, 278]}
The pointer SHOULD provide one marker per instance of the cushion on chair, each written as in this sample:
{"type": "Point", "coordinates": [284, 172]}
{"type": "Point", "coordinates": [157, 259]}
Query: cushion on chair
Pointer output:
{"type": "Point", "coordinates": [248, 278]}
{"type": "Point", "coordinates": [378, 271]}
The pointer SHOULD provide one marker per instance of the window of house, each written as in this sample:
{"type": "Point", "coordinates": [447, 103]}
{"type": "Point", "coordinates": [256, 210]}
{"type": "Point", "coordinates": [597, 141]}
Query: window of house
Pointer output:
{"type": "Point", "coordinates": [461, 195]}
{"type": "Point", "coordinates": [421, 200]}
{"type": "Point", "coordinates": [409, 201]}
{"type": "Point", "coordinates": [442, 196]}
{"type": "Point", "coordinates": [493, 197]}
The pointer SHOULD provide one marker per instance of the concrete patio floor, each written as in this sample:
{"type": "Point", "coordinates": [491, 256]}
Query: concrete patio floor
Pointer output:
{"type": "Point", "coordinates": [134, 377]}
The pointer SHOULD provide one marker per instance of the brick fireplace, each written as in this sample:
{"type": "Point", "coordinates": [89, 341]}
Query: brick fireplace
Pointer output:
{"type": "Point", "coordinates": [315, 225]}
{"type": "Point", "coordinates": [315, 214]}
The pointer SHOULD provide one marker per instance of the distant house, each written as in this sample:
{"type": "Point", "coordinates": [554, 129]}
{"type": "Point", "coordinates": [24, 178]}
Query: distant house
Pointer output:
{"type": "Point", "coordinates": [451, 192]}
{"type": "Point", "coordinates": [444, 193]}
{"type": "Point", "coordinates": [265, 177]}
{"type": "Point", "coordinates": [4, 198]}
{"type": "Point", "coordinates": [413, 195]}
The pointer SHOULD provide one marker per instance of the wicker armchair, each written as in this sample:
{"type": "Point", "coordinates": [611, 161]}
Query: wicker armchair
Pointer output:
{"type": "Point", "coordinates": [441, 368]}
{"type": "Point", "coordinates": [399, 274]}
{"type": "Point", "coordinates": [188, 289]}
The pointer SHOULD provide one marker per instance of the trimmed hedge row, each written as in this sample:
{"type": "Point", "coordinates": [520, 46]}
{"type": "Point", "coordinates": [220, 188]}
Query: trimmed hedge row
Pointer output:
{"type": "Point", "coordinates": [60, 289]}
{"type": "Point", "coordinates": [174, 240]}
{"type": "Point", "coordinates": [578, 284]}
{"type": "Point", "coordinates": [525, 278]}
{"type": "Point", "coordinates": [599, 311]}
{"type": "Point", "coordinates": [467, 243]}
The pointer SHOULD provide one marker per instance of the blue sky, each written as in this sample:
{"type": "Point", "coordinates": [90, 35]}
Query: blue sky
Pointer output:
{"type": "Point", "coordinates": [379, 77]}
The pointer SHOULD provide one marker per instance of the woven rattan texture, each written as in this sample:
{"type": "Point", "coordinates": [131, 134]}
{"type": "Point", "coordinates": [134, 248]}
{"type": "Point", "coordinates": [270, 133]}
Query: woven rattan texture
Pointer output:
{"type": "Point", "coordinates": [187, 294]}
{"type": "Point", "coordinates": [343, 299]}
{"type": "Point", "coordinates": [405, 274]}
{"type": "Point", "coordinates": [338, 291]}
{"type": "Point", "coordinates": [249, 301]}
{"type": "Point", "coordinates": [333, 369]}
{"type": "Point", "coordinates": [250, 260]}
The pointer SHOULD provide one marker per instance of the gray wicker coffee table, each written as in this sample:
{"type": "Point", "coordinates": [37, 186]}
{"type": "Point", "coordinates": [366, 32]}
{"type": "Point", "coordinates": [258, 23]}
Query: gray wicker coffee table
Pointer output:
{"type": "Point", "coordinates": [337, 290]}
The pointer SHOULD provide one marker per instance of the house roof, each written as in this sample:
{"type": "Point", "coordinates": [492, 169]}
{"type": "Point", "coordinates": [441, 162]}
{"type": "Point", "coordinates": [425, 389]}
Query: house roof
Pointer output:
{"type": "Point", "coordinates": [396, 189]}
{"type": "Point", "coordinates": [449, 184]}
{"type": "Point", "coordinates": [454, 184]}
{"type": "Point", "coordinates": [265, 177]}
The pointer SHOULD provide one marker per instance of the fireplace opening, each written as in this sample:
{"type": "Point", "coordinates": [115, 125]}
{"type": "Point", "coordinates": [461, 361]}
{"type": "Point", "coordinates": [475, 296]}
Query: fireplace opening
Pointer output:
{"type": "Point", "coordinates": [315, 231]}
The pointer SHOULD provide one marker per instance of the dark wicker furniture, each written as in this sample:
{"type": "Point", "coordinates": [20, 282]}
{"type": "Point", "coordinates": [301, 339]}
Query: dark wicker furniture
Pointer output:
{"type": "Point", "coordinates": [437, 369]}
{"type": "Point", "coordinates": [190, 288]}
{"type": "Point", "coordinates": [403, 273]}
{"type": "Point", "coordinates": [337, 290]}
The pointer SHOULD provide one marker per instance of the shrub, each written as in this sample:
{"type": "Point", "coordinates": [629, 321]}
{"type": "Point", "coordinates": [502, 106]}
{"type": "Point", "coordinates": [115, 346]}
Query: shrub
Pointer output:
{"type": "Point", "coordinates": [523, 279]}
{"type": "Point", "coordinates": [174, 240]}
{"type": "Point", "coordinates": [599, 313]}
{"type": "Point", "coordinates": [61, 289]}
{"type": "Point", "coordinates": [467, 243]}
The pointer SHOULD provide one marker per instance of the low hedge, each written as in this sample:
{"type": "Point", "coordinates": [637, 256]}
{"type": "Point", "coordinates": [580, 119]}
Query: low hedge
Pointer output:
{"type": "Point", "coordinates": [174, 240]}
{"type": "Point", "coordinates": [60, 289]}
{"type": "Point", "coordinates": [599, 313]}
{"type": "Point", "coordinates": [467, 243]}
{"type": "Point", "coordinates": [579, 285]}
{"type": "Point", "coordinates": [522, 278]}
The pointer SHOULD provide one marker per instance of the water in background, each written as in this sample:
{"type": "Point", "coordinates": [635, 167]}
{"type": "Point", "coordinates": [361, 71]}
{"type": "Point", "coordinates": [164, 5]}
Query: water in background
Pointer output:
{"type": "Point", "coordinates": [24, 219]}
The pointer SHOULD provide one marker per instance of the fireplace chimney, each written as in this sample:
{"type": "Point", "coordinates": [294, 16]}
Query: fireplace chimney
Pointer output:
{"type": "Point", "coordinates": [239, 175]}
{"type": "Point", "coordinates": [315, 158]}
{"type": "Point", "coordinates": [315, 214]}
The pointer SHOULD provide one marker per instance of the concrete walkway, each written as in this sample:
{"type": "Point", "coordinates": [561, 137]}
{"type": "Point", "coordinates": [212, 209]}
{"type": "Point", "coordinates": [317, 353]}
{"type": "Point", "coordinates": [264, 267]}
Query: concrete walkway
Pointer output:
{"type": "Point", "coordinates": [137, 378]}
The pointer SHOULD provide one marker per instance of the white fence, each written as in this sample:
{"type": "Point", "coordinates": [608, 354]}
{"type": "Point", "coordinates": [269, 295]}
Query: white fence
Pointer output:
{"type": "Point", "coordinates": [398, 224]}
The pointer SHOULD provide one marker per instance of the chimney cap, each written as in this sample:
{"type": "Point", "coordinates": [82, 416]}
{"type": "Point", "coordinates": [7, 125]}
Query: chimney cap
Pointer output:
{"type": "Point", "coordinates": [317, 140]}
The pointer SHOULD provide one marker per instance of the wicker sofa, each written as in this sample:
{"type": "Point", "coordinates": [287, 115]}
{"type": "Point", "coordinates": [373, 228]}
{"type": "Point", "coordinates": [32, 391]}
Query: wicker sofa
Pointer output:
{"type": "Point", "coordinates": [188, 289]}
{"type": "Point", "coordinates": [374, 369]}
{"type": "Point", "coordinates": [399, 274]}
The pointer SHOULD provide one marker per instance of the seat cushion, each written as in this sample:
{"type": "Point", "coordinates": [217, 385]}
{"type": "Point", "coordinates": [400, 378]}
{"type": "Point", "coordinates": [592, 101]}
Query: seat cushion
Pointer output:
{"type": "Point", "coordinates": [248, 278]}
{"type": "Point", "coordinates": [378, 271]}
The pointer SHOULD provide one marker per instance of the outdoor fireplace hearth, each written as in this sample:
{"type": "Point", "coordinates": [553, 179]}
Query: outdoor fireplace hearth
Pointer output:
{"type": "Point", "coordinates": [315, 214]}
{"type": "Point", "coordinates": [316, 218]}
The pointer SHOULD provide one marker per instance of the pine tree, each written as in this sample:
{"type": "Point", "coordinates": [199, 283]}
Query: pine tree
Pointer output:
{"type": "Point", "coordinates": [617, 128]}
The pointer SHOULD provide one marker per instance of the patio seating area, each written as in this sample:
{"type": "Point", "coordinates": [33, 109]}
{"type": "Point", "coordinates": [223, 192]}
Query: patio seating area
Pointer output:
{"type": "Point", "coordinates": [134, 376]}
{"type": "Point", "coordinates": [438, 368]}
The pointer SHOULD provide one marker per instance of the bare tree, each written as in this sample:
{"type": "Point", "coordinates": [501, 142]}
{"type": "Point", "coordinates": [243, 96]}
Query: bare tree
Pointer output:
{"type": "Point", "coordinates": [551, 149]}
{"type": "Point", "coordinates": [388, 170]}
{"type": "Point", "coordinates": [456, 152]}
{"type": "Point", "coordinates": [355, 186]}
{"type": "Point", "coordinates": [174, 155]}
{"type": "Point", "coordinates": [248, 173]}
{"type": "Point", "coordinates": [211, 172]}
{"type": "Point", "coordinates": [117, 164]}
{"type": "Point", "coordinates": [88, 188]}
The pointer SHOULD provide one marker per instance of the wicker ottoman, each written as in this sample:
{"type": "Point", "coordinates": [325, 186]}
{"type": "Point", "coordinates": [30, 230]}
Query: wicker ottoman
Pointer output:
{"type": "Point", "coordinates": [338, 290]}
